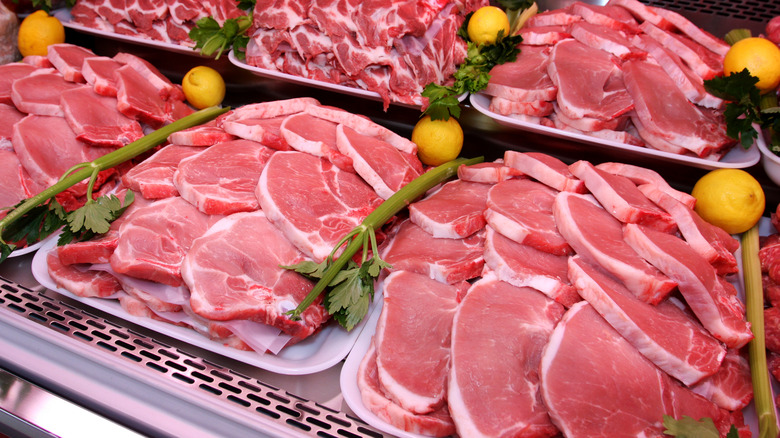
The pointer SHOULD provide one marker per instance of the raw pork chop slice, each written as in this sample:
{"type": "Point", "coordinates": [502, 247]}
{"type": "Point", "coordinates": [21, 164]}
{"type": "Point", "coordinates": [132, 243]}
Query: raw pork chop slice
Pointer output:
{"type": "Point", "coordinates": [700, 235]}
{"type": "Point", "coordinates": [81, 282]}
{"type": "Point", "coordinates": [14, 180]}
{"type": "Point", "coordinates": [363, 125]}
{"type": "Point", "coordinates": [98, 250]}
{"type": "Point", "coordinates": [693, 31]}
{"type": "Point", "coordinates": [10, 73]}
{"type": "Point", "coordinates": [599, 94]}
{"type": "Point", "coordinates": [314, 224]}
{"type": "Point", "coordinates": [664, 333]}
{"type": "Point", "coordinates": [414, 374]}
{"type": "Point", "coordinates": [642, 12]}
{"type": "Point", "coordinates": [488, 173]}
{"type": "Point", "coordinates": [544, 35]}
{"type": "Point", "coordinates": [521, 210]}
{"type": "Point", "coordinates": [137, 98]}
{"type": "Point", "coordinates": [315, 136]}
{"type": "Point", "coordinates": [261, 122]}
{"type": "Point", "coordinates": [546, 169]}
{"type": "Point", "coordinates": [40, 93]}
{"type": "Point", "coordinates": [537, 108]}
{"type": "Point", "coordinates": [525, 266]}
{"type": "Point", "coordinates": [719, 311]}
{"type": "Point", "coordinates": [153, 177]}
{"type": "Point", "coordinates": [33, 139]}
{"type": "Point", "coordinates": [554, 17]}
{"type": "Point", "coordinates": [9, 115]}
{"type": "Point", "coordinates": [598, 237]}
{"type": "Point", "coordinates": [379, 163]}
{"type": "Point", "coordinates": [731, 387]}
{"type": "Point", "coordinates": [525, 80]}
{"type": "Point", "coordinates": [483, 395]}
{"type": "Point", "coordinates": [587, 124]}
{"type": "Point", "coordinates": [98, 71]}
{"type": "Point", "coordinates": [702, 61]}
{"type": "Point", "coordinates": [436, 424]}
{"type": "Point", "coordinates": [165, 89]}
{"type": "Point", "coordinates": [96, 120]}
{"type": "Point", "coordinates": [222, 179]}
{"type": "Point", "coordinates": [154, 240]}
{"type": "Point", "coordinates": [577, 396]}
{"type": "Point", "coordinates": [455, 210]}
{"type": "Point", "coordinates": [68, 59]}
{"type": "Point", "coordinates": [606, 39]}
{"type": "Point", "coordinates": [234, 272]}
{"type": "Point", "coordinates": [621, 197]}
{"type": "Point", "coordinates": [207, 134]}
{"type": "Point", "coordinates": [665, 112]}
{"type": "Point", "coordinates": [642, 175]}
{"type": "Point", "coordinates": [609, 17]}
{"type": "Point", "coordinates": [446, 260]}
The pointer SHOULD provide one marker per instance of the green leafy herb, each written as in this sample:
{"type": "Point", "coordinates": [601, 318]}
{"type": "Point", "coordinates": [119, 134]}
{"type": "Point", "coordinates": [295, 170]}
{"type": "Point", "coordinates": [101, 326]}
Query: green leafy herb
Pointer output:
{"type": "Point", "coordinates": [744, 108]}
{"type": "Point", "coordinates": [212, 38]}
{"type": "Point", "coordinates": [687, 427]}
{"type": "Point", "coordinates": [351, 284]}
{"type": "Point", "coordinates": [516, 5]}
{"type": "Point", "coordinates": [39, 216]}
{"type": "Point", "coordinates": [47, 5]}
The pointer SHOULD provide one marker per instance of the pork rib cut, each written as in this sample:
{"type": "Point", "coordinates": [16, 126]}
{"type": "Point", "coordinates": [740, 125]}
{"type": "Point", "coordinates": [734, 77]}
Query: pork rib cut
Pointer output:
{"type": "Point", "coordinates": [96, 120]}
{"type": "Point", "coordinates": [153, 177]}
{"type": "Point", "coordinates": [454, 210]}
{"type": "Point", "coordinates": [482, 395]}
{"type": "Point", "coordinates": [546, 169]}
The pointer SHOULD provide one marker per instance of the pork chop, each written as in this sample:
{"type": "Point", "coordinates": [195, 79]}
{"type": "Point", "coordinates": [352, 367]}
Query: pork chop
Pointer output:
{"type": "Point", "coordinates": [153, 177]}
{"type": "Point", "coordinates": [454, 210]}
{"type": "Point", "coordinates": [40, 93]}
{"type": "Point", "coordinates": [96, 120]}
{"type": "Point", "coordinates": [546, 169]}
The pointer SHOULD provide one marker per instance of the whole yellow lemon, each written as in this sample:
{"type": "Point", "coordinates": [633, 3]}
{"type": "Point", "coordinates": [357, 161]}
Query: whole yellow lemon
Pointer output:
{"type": "Point", "coordinates": [438, 141]}
{"type": "Point", "coordinates": [729, 198]}
{"type": "Point", "coordinates": [203, 87]}
{"type": "Point", "coordinates": [760, 56]}
{"type": "Point", "coordinates": [485, 23]}
{"type": "Point", "coordinates": [37, 32]}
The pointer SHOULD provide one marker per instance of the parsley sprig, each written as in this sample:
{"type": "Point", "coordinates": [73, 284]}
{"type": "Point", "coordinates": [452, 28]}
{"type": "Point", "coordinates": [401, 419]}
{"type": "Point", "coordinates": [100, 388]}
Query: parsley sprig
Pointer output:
{"type": "Point", "coordinates": [351, 284]}
{"type": "Point", "coordinates": [38, 216]}
{"type": "Point", "coordinates": [472, 75]}
{"type": "Point", "coordinates": [745, 107]}
{"type": "Point", "coordinates": [688, 427]}
{"type": "Point", "coordinates": [212, 38]}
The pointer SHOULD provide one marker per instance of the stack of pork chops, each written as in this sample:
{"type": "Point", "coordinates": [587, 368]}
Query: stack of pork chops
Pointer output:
{"type": "Point", "coordinates": [534, 298]}
{"type": "Point", "coordinates": [73, 106]}
{"type": "Point", "coordinates": [220, 209]}
{"type": "Point", "coordinates": [623, 72]}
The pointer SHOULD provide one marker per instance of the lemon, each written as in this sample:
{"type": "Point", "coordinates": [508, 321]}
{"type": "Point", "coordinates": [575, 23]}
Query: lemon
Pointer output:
{"type": "Point", "coordinates": [438, 141]}
{"type": "Point", "coordinates": [485, 23]}
{"type": "Point", "coordinates": [37, 32]}
{"type": "Point", "coordinates": [760, 56]}
{"type": "Point", "coordinates": [729, 198]}
{"type": "Point", "coordinates": [203, 87]}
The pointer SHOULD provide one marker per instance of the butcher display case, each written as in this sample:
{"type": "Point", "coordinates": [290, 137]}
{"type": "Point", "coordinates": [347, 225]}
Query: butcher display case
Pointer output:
{"type": "Point", "coordinates": [68, 368]}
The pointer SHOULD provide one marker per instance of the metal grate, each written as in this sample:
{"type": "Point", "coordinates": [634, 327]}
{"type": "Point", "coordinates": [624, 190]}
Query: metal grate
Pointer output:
{"type": "Point", "coordinates": [759, 11]}
{"type": "Point", "coordinates": [223, 384]}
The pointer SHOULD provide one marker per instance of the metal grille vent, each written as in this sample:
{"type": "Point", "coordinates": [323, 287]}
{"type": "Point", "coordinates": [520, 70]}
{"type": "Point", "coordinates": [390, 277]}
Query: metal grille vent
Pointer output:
{"type": "Point", "coordinates": [197, 374]}
{"type": "Point", "coordinates": [759, 11]}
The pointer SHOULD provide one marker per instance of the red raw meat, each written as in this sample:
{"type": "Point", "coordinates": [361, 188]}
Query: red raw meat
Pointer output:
{"type": "Point", "coordinates": [522, 265]}
{"type": "Point", "coordinates": [379, 163]}
{"type": "Point", "coordinates": [621, 197]}
{"type": "Point", "coordinates": [693, 31]}
{"type": "Point", "coordinates": [488, 173]}
{"type": "Point", "coordinates": [40, 93]}
{"type": "Point", "coordinates": [731, 387]}
{"type": "Point", "coordinates": [539, 108]}
{"type": "Point", "coordinates": [521, 210]}
{"type": "Point", "coordinates": [642, 12]}
{"type": "Point", "coordinates": [483, 395]}
{"type": "Point", "coordinates": [14, 180]}
{"type": "Point", "coordinates": [81, 282]}
{"type": "Point", "coordinates": [153, 177]}
{"type": "Point", "coordinates": [9, 115]}
{"type": "Point", "coordinates": [95, 119]}
{"type": "Point", "coordinates": [234, 272]}
{"type": "Point", "coordinates": [642, 175]}
{"type": "Point", "coordinates": [610, 16]}
{"type": "Point", "coordinates": [154, 240]}
{"type": "Point", "coordinates": [99, 71]}
{"type": "Point", "coordinates": [704, 63]}
{"type": "Point", "coordinates": [455, 210]}
{"type": "Point", "coordinates": [222, 179]}
{"type": "Point", "coordinates": [599, 94]}
{"type": "Point", "coordinates": [607, 39]}
{"type": "Point", "coordinates": [554, 17]}
{"type": "Point", "coordinates": [68, 59]}
{"type": "Point", "coordinates": [165, 88]}
{"type": "Point", "coordinates": [8, 74]}
{"type": "Point", "coordinates": [720, 312]}
{"type": "Point", "coordinates": [617, 380]}
{"type": "Point", "coordinates": [665, 112]}
{"type": "Point", "coordinates": [526, 79]}
{"type": "Point", "coordinates": [34, 139]}
{"type": "Point", "coordinates": [546, 169]}
{"type": "Point", "coordinates": [315, 136]}
{"type": "Point", "coordinates": [698, 233]}
{"type": "Point", "coordinates": [544, 35]}
{"type": "Point", "coordinates": [586, 124]}
{"type": "Point", "coordinates": [313, 224]}
{"type": "Point", "coordinates": [598, 237]}
{"type": "Point", "coordinates": [414, 374]}
{"type": "Point", "coordinates": [665, 334]}
{"type": "Point", "coordinates": [410, 248]}
{"type": "Point", "coordinates": [436, 424]}
{"type": "Point", "coordinates": [144, 13]}
{"type": "Point", "coordinates": [207, 134]}
{"type": "Point", "coordinates": [773, 30]}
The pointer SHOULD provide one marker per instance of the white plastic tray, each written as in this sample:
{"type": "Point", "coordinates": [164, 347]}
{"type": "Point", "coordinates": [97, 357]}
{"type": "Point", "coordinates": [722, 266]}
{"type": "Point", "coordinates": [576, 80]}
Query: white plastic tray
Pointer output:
{"type": "Point", "coordinates": [737, 157]}
{"type": "Point", "coordinates": [319, 352]}
{"type": "Point", "coordinates": [63, 14]}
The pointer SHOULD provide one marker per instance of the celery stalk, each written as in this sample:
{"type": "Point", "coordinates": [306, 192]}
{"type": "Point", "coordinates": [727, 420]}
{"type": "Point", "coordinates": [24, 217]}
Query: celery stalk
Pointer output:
{"type": "Point", "coordinates": [754, 297]}
{"type": "Point", "coordinates": [86, 170]}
